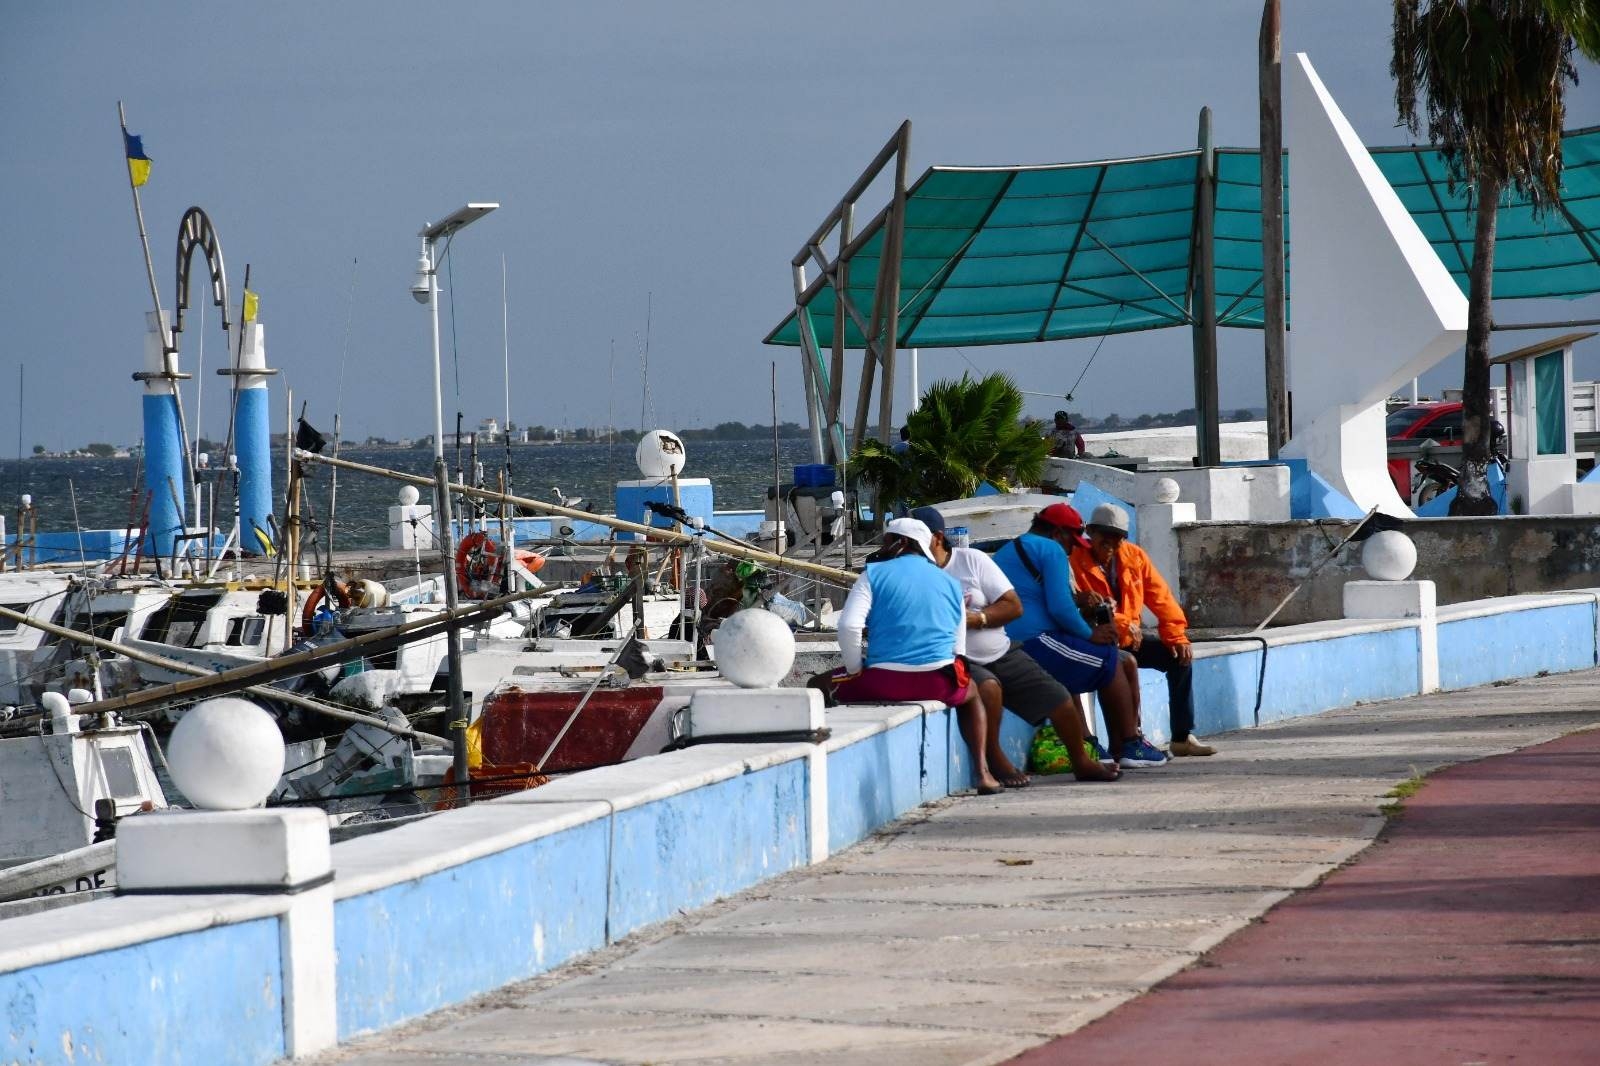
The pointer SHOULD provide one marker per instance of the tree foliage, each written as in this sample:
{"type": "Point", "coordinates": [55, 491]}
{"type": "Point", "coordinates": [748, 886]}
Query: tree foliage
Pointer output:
{"type": "Point", "coordinates": [1490, 78]}
{"type": "Point", "coordinates": [963, 433]}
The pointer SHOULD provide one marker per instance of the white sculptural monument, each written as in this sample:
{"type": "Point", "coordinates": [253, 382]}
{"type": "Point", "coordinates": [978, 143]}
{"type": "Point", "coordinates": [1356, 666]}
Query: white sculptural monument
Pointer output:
{"type": "Point", "coordinates": [1373, 305]}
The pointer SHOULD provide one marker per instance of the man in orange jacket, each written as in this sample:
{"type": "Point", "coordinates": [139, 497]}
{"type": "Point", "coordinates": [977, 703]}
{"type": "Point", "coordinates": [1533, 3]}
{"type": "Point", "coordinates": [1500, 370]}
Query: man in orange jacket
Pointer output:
{"type": "Point", "coordinates": [1112, 572]}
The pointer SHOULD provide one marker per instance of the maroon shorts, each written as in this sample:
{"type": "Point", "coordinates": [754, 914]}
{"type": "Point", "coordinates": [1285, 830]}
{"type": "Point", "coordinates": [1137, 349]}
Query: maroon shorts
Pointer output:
{"type": "Point", "coordinates": [943, 684]}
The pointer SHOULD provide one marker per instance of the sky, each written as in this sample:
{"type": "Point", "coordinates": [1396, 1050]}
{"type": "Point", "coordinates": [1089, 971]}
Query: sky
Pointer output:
{"type": "Point", "coordinates": [657, 164]}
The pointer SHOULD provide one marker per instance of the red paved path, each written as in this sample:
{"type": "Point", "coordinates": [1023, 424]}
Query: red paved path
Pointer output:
{"type": "Point", "coordinates": [1470, 933]}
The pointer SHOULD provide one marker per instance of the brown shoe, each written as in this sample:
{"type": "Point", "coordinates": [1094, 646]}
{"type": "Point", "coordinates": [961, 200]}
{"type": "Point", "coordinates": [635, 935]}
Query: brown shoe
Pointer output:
{"type": "Point", "coordinates": [1192, 746]}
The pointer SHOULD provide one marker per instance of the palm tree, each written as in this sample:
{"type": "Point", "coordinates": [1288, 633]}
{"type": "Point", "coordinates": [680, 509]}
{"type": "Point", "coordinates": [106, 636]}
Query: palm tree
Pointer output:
{"type": "Point", "coordinates": [1492, 74]}
{"type": "Point", "coordinates": [963, 433]}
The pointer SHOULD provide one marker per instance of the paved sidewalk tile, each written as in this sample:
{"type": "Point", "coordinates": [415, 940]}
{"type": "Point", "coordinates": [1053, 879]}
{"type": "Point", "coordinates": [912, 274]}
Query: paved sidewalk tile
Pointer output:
{"type": "Point", "coordinates": [978, 928]}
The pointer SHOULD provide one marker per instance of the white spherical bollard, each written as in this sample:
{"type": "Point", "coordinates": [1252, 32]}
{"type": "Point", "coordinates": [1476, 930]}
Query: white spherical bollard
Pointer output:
{"type": "Point", "coordinates": [226, 754]}
{"type": "Point", "coordinates": [1165, 490]}
{"type": "Point", "coordinates": [660, 454]}
{"type": "Point", "coordinates": [1389, 556]}
{"type": "Point", "coordinates": [755, 649]}
{"type": "Point", "coordinates": [409, 495]}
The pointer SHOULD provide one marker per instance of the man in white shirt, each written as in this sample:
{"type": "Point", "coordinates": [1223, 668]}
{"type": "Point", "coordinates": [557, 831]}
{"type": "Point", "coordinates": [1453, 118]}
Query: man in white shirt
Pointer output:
{"type": "Point", "coordinates": [1006, 675]}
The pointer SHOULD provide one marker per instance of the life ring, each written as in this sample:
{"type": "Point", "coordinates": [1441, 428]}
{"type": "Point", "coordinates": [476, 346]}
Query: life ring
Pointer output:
{"type": "Point", "coordinates": [479, 562]}
{"type": "Point", "coordinates": [341, 595]}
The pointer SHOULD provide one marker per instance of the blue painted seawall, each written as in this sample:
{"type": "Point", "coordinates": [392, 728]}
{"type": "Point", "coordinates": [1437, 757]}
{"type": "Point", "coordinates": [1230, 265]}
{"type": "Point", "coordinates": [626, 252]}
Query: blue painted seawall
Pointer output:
{"type": "Point", "coordinates": [211, 998]}
{"type": "Point", "coordinates": [1489, 648]}
{"type": "Point", "coordinates": [423, 944]}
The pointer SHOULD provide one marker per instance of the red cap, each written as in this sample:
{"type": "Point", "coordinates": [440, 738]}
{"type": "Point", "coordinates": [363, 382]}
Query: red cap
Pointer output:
{"type": "Point", "coordinates": [1065, 516]}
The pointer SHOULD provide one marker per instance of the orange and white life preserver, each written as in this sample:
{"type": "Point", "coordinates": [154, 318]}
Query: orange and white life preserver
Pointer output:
{"type": "Point", "coordinates": [341, 595]}
{"type": "Point", "coordinates": [479, 562]}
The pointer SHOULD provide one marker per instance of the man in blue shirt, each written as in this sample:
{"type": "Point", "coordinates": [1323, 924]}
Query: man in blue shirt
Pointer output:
{"type": "Point", "coordinates": [1053, 630]}
{"type": "Point", "coordinates": [915, 623]}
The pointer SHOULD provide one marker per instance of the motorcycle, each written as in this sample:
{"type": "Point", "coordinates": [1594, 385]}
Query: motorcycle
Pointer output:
{"type": "Point", "coordinates": [1434, 476]}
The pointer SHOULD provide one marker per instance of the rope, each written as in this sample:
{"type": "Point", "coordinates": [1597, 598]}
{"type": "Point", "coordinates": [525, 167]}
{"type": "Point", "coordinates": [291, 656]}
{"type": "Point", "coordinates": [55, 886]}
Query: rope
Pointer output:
{"type": "Point", "coordinates": [1097, 347]}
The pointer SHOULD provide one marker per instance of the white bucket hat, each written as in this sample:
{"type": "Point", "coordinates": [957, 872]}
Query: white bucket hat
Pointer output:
{"type": "Point", "coordinates": [1109, 516]}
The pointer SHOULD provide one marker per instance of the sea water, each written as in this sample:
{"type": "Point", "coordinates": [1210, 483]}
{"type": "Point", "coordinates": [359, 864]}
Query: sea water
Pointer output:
{"type": "Point", "coordinates": [739, 470]}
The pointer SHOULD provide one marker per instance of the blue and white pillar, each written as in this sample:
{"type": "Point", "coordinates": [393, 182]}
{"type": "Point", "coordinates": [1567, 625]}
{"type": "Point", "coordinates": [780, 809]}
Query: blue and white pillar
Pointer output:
{"type": "Point", "coordinates": [163, 445]}
{"type": "Point", "coordinates": [252, 437]}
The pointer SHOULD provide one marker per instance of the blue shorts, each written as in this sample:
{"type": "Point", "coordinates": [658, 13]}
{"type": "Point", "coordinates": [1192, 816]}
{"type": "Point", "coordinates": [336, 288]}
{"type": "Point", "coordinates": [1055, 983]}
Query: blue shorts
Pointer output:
{"type": "Point", "coordinates": [1080, 666]}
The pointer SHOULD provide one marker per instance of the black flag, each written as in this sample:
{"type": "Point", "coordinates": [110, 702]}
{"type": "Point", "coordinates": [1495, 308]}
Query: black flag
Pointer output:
{"type": "Point", "coordinates": [1377, 522]}
{"type": "Point", "coordinates": [307, 439]}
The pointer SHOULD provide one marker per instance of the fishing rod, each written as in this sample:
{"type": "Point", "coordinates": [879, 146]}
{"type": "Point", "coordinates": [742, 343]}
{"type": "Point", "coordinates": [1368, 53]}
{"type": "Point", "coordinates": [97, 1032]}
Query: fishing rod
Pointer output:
{"type": "Point", "coordinates": [670, 537]}
{"type": "Point", "coordinates": [200, 674]}
{"type": "Point", "coordinates": [260, 674]}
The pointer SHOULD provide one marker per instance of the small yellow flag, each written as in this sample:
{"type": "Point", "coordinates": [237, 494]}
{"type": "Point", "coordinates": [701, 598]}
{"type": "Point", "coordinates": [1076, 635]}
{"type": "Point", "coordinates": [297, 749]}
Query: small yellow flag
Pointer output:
{"type": "Point", "coordinates": [265, 541]}
{"type": "Point", "coordinates": [252, 304]}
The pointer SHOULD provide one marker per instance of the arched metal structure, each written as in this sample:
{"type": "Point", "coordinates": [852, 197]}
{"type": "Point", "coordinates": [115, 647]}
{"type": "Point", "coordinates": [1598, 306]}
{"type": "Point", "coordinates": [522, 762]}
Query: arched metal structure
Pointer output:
{"type": "Point", "coordinates": [196, 233]}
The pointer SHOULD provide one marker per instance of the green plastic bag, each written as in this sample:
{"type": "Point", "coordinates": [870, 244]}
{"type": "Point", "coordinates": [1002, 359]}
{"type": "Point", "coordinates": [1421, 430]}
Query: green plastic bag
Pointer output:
{"type": "Point", "coordinates": [1047, 755]}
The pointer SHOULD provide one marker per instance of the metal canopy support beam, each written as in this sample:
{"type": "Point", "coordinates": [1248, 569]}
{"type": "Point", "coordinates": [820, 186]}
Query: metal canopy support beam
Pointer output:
{"type": "Point", "coordinates": [1274, 319]}
{"type": "Point", "coordinates": [825, 381]}
{"type": "Point", "coordinates": [1203, 301]}
{"type": "Point", "coordinates": [847, 223]}
{"type": "Point", "coordinates": [810, 368]}
{"type": "Point", "coordinates": [1152, 286]}
{"type": "Point", "coordinates": [1072, 252]}
{"type": "Point", "coordinates": [894, 247]}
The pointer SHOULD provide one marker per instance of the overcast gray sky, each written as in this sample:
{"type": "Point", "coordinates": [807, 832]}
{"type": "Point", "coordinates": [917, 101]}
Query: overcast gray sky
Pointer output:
{"type": "Point", "coordinates": [669, 153]}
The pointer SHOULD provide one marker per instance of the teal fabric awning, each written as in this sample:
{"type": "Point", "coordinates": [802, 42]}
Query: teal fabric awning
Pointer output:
{"type": "Point", "coordinates": [1006, 255]}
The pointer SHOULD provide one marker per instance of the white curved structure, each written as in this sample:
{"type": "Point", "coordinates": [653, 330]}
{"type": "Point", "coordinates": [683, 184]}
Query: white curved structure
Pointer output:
{"type": "Point", "coordinates": [1373, 306]}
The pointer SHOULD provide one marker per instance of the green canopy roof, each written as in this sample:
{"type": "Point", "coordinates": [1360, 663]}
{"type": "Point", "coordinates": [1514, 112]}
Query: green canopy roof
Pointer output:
{"type": "Point", "coordinates": [1005, 255]}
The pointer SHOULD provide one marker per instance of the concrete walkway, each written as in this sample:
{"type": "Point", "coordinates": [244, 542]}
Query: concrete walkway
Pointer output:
{"type": "Point", "coordinates": [984, 927]}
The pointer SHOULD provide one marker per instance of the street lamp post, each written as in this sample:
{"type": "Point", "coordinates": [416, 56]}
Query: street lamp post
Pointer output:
{"type": "Point", "coordinates": [426, 290]}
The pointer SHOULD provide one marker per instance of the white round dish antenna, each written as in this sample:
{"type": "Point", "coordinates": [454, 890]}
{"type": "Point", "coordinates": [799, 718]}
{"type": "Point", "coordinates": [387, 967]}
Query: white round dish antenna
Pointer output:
{"type": "Point", "coordinates": [660, 454]}
{"type": "Point", "coordinates": [1389, 556]}
{"type": "Point", "coordinates": [226, 754]}
{"type": "Point", "coordinates": [755, 649]}
{"type": "Point", "coordinates": [409, 495]}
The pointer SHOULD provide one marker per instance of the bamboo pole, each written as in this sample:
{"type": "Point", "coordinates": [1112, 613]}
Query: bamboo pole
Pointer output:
{"type": "Point", "coordinates": [669, 536]}
{"type": "Point", "coordinates": [199, 672]}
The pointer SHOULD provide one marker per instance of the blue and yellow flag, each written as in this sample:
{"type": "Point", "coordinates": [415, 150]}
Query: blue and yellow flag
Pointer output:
{"type": "Point", "coordinates": [265, 541]}
{"type": "Point", "coordinates": [138, 162]}
{"type": "Point", "coordinates": [252, 304]}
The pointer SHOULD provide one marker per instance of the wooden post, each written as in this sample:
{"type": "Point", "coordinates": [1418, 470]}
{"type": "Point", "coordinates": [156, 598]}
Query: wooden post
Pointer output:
{"type": "Point", "coordinates": [894, 245]}
{"type": "Point", "coordinates": [1274, 320]}
{"type": "Point", "coordinates": [1203, 304]}
{"type": "Point", "coordinates": [841, 288]}
{"type": "Point", "coordinates": [444, 536]}
{"type": "Point", "coordinates": [291, 523]}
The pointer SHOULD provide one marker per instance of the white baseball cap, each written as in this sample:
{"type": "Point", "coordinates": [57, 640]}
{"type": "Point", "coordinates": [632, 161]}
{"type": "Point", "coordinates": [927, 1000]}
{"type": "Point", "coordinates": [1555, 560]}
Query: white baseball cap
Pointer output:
{"type": "Point", "coordinates": [913, 530]}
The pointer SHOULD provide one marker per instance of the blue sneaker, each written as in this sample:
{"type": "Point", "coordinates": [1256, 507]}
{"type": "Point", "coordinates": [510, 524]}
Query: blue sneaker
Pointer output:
{"type": "Point", "coordinates": [1094, 749]}
{"type": "Point", "coordinates": [1140, 753]}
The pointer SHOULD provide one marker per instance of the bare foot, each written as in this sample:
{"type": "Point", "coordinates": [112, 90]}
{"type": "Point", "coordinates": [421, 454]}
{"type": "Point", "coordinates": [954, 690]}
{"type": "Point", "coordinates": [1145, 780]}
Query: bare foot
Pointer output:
{"type": "Point", "coordinates": [988, 786]}
{"type": "Point", "coordinates": [1008, 774]}
{"type": "Point", "coordinates": [1094, 770]}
